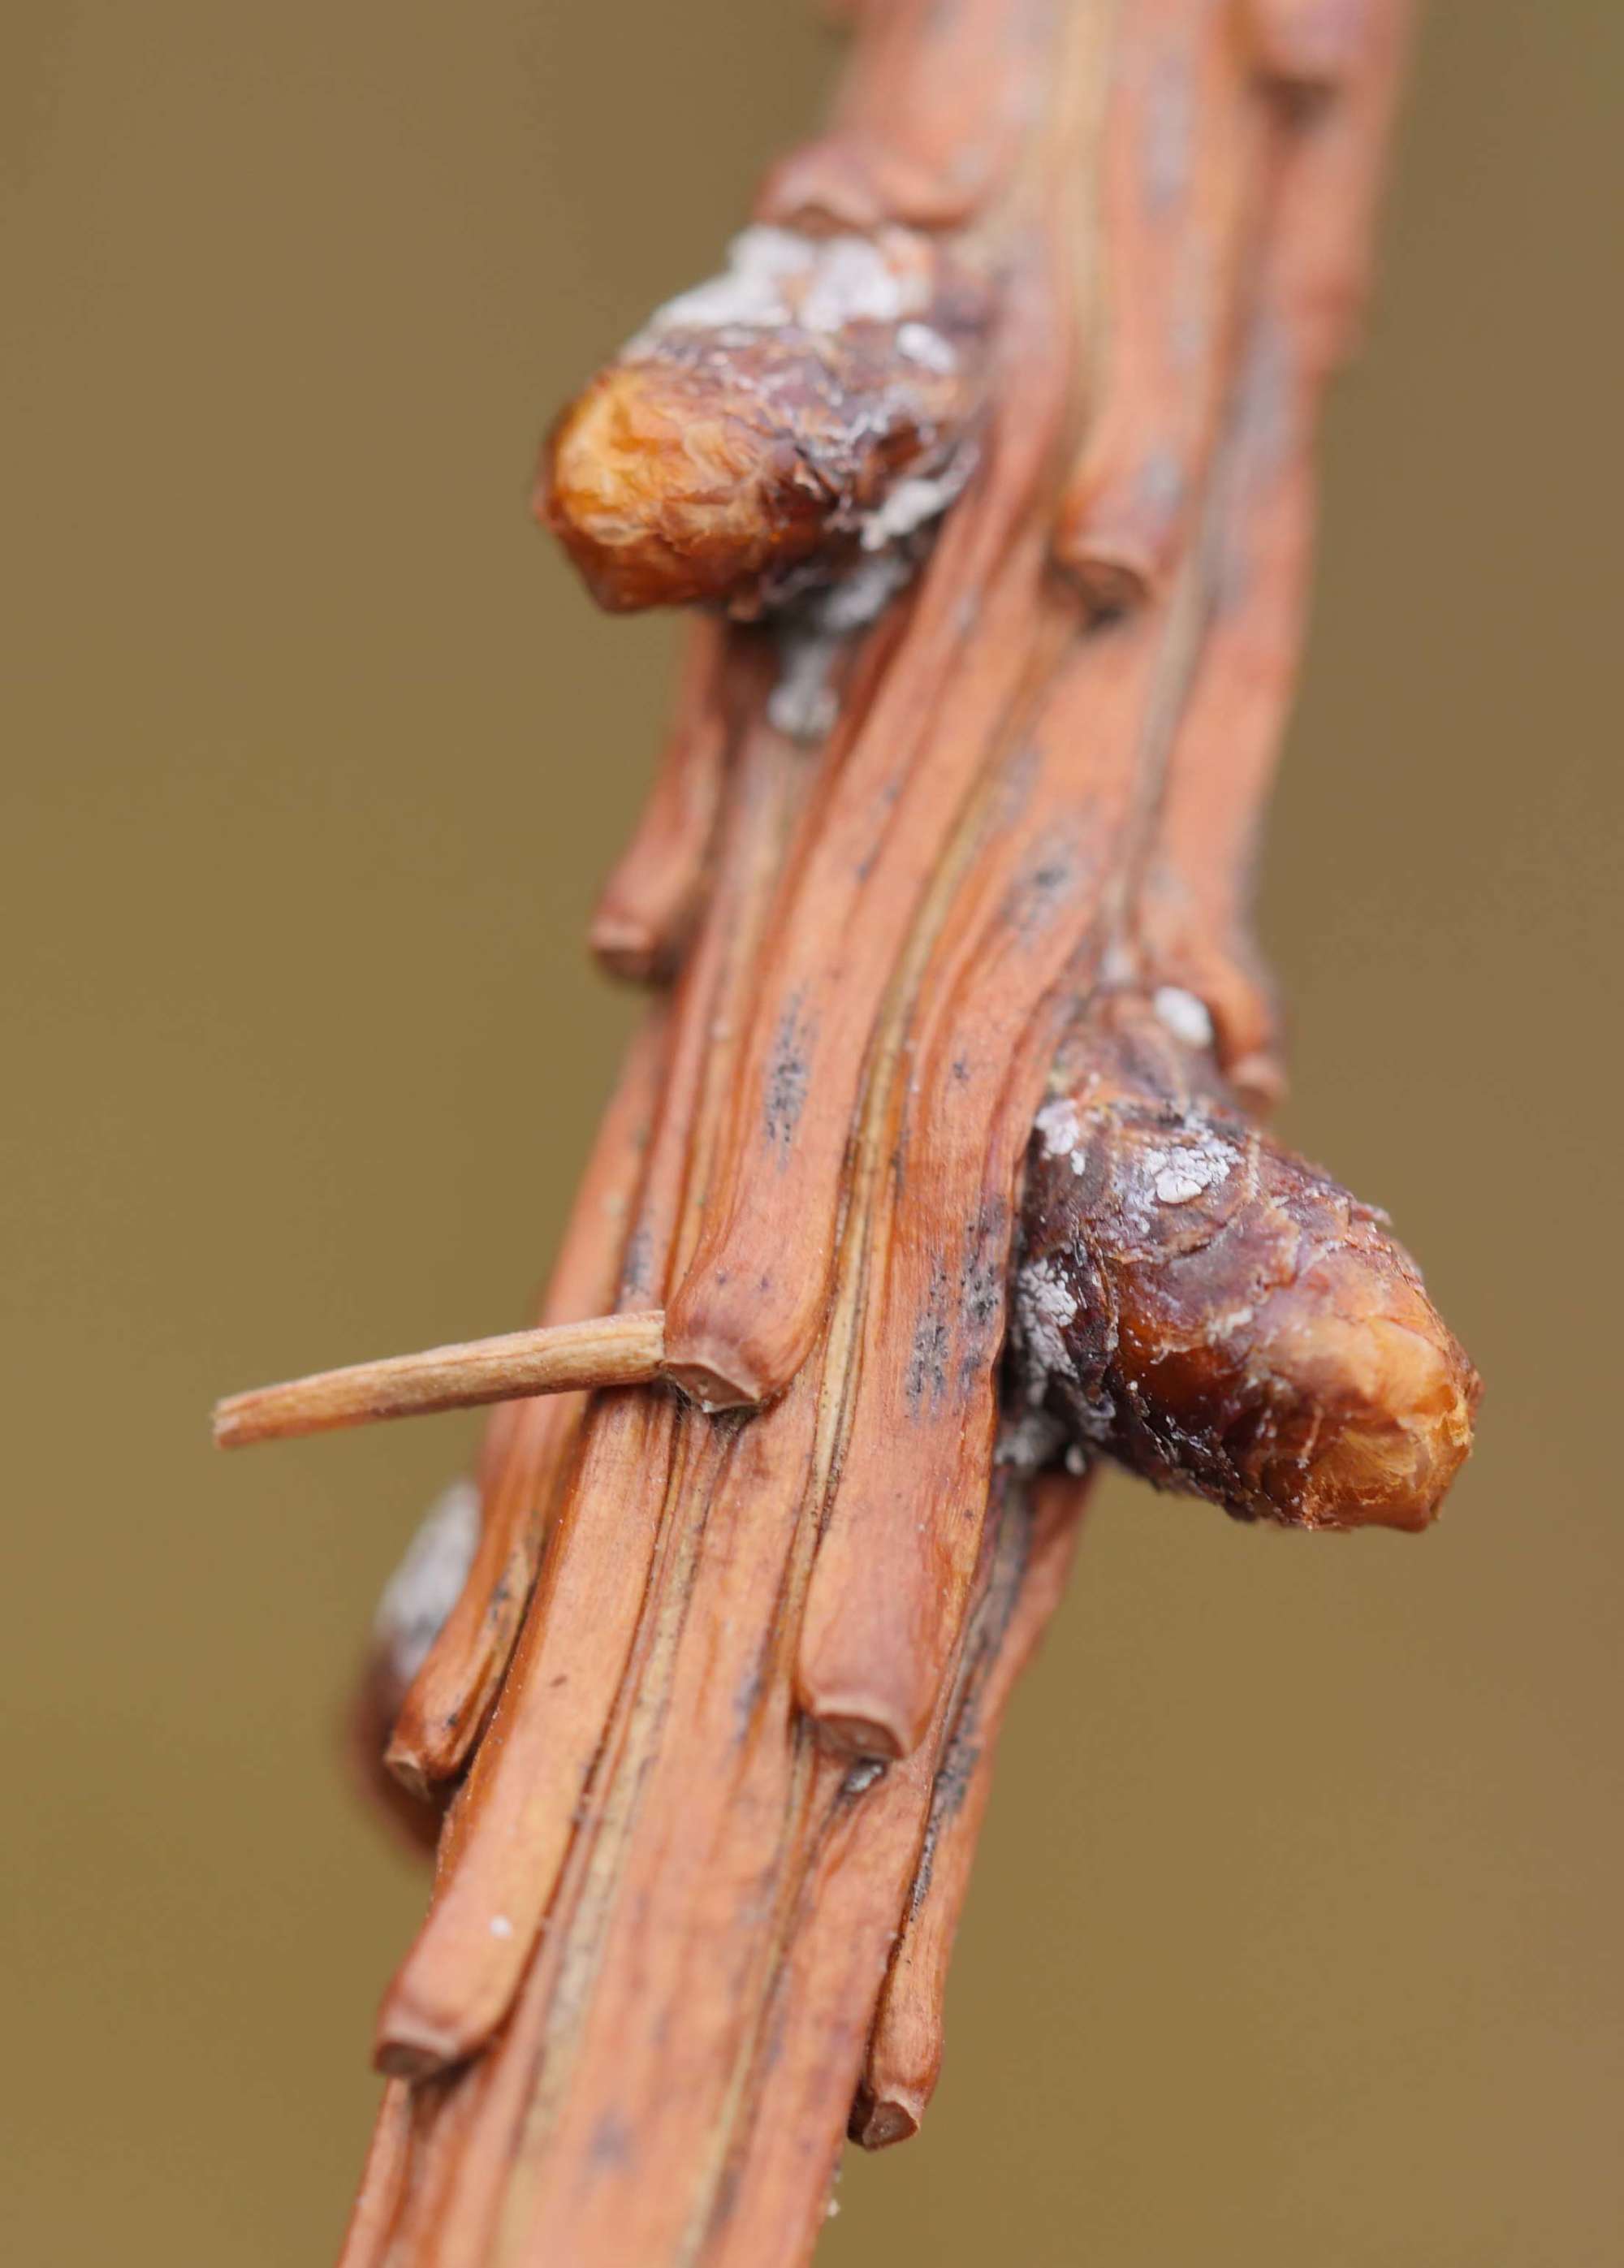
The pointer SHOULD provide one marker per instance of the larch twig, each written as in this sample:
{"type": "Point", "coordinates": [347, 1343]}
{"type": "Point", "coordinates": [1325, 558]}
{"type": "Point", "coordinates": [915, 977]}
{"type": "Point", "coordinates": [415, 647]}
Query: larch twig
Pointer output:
{"type": "Point", "coordinates": [990, 454]}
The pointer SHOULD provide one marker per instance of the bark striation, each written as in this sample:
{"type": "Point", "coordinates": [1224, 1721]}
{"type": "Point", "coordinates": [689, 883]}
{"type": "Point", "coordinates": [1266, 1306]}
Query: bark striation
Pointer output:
{"type": "Point", "coordinates": [988, 463]}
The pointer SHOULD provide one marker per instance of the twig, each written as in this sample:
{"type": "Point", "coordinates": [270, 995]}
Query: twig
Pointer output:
{"type": "Point", "coordinates": [558, 1359]}
{"type": "Point", "coordinates": [653, 1980]}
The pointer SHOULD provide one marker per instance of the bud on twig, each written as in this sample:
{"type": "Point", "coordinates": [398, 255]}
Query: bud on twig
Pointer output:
{"type": "Point", "coordinates": [814, 402]}
{"type": "Point", "coordinates": [1202, 1306]}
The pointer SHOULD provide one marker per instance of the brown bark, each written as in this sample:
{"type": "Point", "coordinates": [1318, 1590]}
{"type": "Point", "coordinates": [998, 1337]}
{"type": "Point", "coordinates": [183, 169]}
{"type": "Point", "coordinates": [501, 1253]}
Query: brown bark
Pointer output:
{"type": "Point", "coordinates": [527, 1451]}
{"type": "Point", "coordinates": [1036, 1545]}
{"type": "Point", "coordinates": [996, 451]}
{"type": "Point", "coordinates": [647, 909]}
{"type": "Point", "coordinates": [1185, 149]}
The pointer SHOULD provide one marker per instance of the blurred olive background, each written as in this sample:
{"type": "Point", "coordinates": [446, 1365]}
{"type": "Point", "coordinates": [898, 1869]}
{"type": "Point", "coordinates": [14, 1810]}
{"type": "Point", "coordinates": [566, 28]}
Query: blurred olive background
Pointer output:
{"type": "Point", "coordinates": [1297, 1931]}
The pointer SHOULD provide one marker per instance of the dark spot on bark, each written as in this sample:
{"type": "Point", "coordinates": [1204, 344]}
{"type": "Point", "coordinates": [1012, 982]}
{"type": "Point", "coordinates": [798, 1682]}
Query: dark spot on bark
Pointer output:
{"type": "Point", "coordinates": [747, 1694]}
{"type": "Point", "coordinates": [927, 1366]}
{"type": "Point", "coordinates": [726, 2197]}
{"type": "Point", "coordinates": [637, 1267]}
{"type": "Point", "coordinates": [953, 1780]}
{"type": "Point", "coordinates": [953, 1784]}
{"type": "Point", "coordinates": [982, 1281]}
{"type": "Point", "coordinates": [789, 1076]}
{"type": "Point", "coordinates": [612, 2145]}
{"type": "Point", "coordinates": [1038, 894]}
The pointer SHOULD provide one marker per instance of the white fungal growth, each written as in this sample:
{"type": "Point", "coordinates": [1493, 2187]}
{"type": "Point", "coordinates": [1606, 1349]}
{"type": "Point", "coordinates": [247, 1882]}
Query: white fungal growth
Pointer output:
{"type": "Point", "coordinates": [1177, 1175]}
{"type": "Point", "coordinates": [426, 1585]}
{"type": "Point", "coordinates": [852, 282]}
{"type": "Point", "coordinates": [1044, 1304]}
{"type": "Point", "coordinates": [1059, 1128]}
{"type": "Point", "coordinates": [912, 503]}
{"type": "Point", "coordinates": [776, 277]}
{"type": "Point", "coordinates": [928, 347]}
{"type": "Point", "coordinates": [861, 595]}
{"type": "Point", "coordinates": [1029, 1439]}
{"type": "Point", "coordinates": [1181, 1182]}
{"type": "Point", "coordinates": [748, 293]}
{"type": "Point", "coordinates": [1185, 1017]}
{"type": "Point", "coordinates": [802, 704]}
